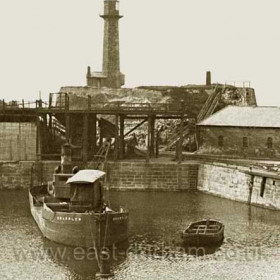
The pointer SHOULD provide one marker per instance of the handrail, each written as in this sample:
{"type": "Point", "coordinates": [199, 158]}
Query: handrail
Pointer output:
{"type": "Point", "coordinates": [244, 84]}
{"type": "Point", "coordinates": [126, 107]}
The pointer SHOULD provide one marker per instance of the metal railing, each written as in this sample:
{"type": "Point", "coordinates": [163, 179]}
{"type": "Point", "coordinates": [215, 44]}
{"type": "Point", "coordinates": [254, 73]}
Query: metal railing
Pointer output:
{"type": "Point", "coordinates": [244, 84]}
{"type": "Point", "coordinates": [62, 102]}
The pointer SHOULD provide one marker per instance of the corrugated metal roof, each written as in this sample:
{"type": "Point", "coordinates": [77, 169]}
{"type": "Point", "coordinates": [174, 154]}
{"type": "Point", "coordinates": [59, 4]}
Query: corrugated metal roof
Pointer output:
{"type": "Point", "coordinates": [86, 176]}
{"type": "Point", "coordinates": [245, 117]}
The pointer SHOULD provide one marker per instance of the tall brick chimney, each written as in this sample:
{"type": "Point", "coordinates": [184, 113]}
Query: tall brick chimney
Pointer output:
{"type": "Point", "coordinates": [208, 78]}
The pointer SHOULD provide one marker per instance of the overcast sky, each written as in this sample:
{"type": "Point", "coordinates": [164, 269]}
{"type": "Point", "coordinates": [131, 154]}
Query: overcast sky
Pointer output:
{"type": "Point", "coordinates": [46, 44]}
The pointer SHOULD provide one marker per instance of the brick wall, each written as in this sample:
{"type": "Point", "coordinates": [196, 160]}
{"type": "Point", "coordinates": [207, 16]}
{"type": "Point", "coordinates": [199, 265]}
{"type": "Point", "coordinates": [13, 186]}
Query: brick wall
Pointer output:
{"type": "Point", "coordinates": [17, 141]}
{"type": "Point", "coordinates": [233, 141]}
{"type": "Point", "coordinates": [120, 175]}
{"type": "Point", "coordinates": [152, 176]}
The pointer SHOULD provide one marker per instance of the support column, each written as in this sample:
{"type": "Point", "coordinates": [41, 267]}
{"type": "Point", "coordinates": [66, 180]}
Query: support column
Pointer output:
{"type": "Point", "coordinates": [179, 150]}
{"type": "Point", "coordinates": [67, 127]}
{"type": "Point", "coordinates": [85, 138]}
{"type": "Point", "coordinates": [149, 139]}
{"type": "Point", "coordinates": [51, 130]}
{"type": "Point", "coordinates": [92, 134]}
{"type": "Point", "coordinates": [152, 151]}
{"type": "Point", "coordinates": [157, 144]}
{"type": "Point", "coordinates": [122, 118]}
{"type": "Point", "coordinates": [116, 151]}
{"type": "Point", "coordinates": [38, 139]}
{"type": "Point", "coordinates": [180, 143]}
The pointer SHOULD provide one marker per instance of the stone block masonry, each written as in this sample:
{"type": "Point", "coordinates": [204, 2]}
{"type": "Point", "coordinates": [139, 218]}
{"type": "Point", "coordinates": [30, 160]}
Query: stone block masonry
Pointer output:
{"type": "Point", "coordinates": [220, 179]}
{"type": "Point", "coordinates": [223, 181]}
{"type": "Point", "coordinates": [19, 175]}
{"type": "Point", "coordinates": [152, 176]}
{"type": "Point", "coordinates": [233, 183]}
{"type": "Point", "coordinates": [120, 175]}
{"type": "Point", "coordinates": [17, 141]}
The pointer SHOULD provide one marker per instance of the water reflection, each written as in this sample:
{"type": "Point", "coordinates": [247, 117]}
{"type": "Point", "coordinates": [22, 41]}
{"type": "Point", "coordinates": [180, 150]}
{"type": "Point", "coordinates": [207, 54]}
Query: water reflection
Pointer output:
{"type": "Point", "coordinates": [154, 249]}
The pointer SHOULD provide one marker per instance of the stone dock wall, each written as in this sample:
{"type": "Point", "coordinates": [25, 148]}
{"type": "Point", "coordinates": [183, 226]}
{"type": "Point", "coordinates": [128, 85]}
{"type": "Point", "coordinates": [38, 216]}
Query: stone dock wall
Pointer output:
{"type": "Point", "coordinates": [233, 182]}
{"type": "Point", "coordinates": [152, 176]}
{"type": "Point", "coordinates": [120, 175]}
{"type": "Point", "coordinates": [20, 175]}
{"type": "Point", "coordinates": [220, 179]}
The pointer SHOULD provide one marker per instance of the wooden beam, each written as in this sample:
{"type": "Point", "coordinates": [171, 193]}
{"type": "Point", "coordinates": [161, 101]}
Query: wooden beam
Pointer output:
{"type": "Point", "coordinates": [180, 142]}
{"type": "Point", "coordinates": [116, 151]}
{"type": "Point", "coordinates": [67, 127]}
{"type": "Point", "coordinates": [152, 131]}
{"type": "Point", "coordinates": [121, 139]}
{"type": "Point", "coordinates": [135, 127]}
{"type": "Point", "coordinates": [85, 138]}
{"type": "Point", "coordinates": [38, 139]}
{"type": "Point", "coordinates": [93, 133]}
{"type": "Point", "coordinates": [149, 139]}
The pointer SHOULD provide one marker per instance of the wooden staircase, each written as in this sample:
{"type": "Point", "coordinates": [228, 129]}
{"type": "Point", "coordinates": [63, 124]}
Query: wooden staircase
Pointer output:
{"type": "Point", "coordinates": [211, 104]}
{"type": "Point", "coordinates": [100, 158]}
{"type": "Point", "coordinates": [187, 131]}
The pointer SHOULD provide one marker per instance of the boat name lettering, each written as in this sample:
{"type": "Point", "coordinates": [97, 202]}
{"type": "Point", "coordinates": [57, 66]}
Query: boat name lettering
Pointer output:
{"type": "Point", "coordinates": [61, 218]}
{"type": "Point", "coordinates": [119, 218]}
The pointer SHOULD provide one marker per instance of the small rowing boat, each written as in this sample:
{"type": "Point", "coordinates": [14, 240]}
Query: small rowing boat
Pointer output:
{"type": "Point", "coordinates": [205, 232]}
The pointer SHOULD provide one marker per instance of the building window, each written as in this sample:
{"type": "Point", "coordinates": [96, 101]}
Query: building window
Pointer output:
{"type": "Point", "coordinates": [221, 141]}
{"type": "Point", "coordinates": [245, 142]}
{"type": "Point", "coordinates": [269, 143]}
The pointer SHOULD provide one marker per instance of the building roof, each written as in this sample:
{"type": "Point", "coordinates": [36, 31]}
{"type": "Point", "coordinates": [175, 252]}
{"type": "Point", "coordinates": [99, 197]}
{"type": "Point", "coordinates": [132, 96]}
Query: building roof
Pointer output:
{"type": "Point", "coordinates": [236, 116]}
{"type": "Point", "coordinates": [101, 75]}
{"type": "Point", "coordinates": [86, 176]}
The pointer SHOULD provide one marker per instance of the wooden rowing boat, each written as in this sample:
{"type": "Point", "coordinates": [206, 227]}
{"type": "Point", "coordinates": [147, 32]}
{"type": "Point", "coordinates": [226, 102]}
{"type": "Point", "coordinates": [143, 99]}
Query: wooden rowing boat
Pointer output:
{"type": "Point", "coordinates": [205, 232]}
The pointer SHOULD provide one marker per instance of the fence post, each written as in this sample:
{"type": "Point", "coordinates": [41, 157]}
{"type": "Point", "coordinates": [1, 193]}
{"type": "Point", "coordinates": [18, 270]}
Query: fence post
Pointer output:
{"type": "Point", "coordinates": [50, 100]}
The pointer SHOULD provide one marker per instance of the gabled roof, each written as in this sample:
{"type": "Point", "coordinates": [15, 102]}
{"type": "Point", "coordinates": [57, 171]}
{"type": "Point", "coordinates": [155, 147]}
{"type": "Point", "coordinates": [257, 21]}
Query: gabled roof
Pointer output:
{"type": "Point", "coordinates": [236, 116]}
{"type": "Point", "coordinates": [87, 176]}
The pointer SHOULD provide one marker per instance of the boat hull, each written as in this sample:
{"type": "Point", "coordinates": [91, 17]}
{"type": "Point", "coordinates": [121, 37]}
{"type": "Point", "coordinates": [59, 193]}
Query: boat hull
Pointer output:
{"type": "Point", "coordinates": [198, 233]}
{"type": "Point", "coordinates": [80, 229]}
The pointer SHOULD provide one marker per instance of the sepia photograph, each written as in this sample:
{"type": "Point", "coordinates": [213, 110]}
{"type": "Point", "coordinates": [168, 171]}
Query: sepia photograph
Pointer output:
{"type": "Point", "coordinates": [139, 140]}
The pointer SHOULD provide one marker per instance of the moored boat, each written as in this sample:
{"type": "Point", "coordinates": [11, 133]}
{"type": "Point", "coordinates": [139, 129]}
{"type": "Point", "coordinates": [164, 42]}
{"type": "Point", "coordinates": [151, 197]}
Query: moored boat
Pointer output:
{"type": "Point", "coordinates": [71, 209]}
{"type": "Point", "coordinates": [83, 219]}
{"type": "Point", "coordinates": [205, 232]}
